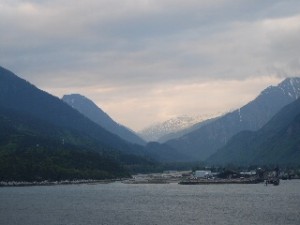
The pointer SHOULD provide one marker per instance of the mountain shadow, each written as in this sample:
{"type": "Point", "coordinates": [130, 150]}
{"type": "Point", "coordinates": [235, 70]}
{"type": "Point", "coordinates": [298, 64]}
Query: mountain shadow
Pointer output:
{"type": "Point", "coordinates": [205, 141]}
{"type": "Point", "coordinates": [88, 108]}
{"type": "Point", "coordinates": [276, 143]}
{"type": "Point", "coordinates": [21, 96]}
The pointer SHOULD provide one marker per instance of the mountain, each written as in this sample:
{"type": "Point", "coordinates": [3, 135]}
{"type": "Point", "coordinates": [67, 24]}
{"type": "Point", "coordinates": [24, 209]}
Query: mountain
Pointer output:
{"type": "Point", "coordinates": [19, 95]}
{"type": "Point", "coordinates": [159, 152]}
{"type": "Point", "coordinates": [172, 128]}
{"type": "Point", "coordinates": [41, 137]}
{"type": "Point", "coordinates": [95, 114]}
{"type": "Point", "coordinates": [166, 154]}
{"type": "Point", "coordinates": [203, 142]}
{"type": "Point", "coordinates": [276, 143]}
{"type": "Point", "coordinates": [52, 120]}
{"type": "Point", "coordinates": [34, 150]}
{"type": "Point", "coordinates": [181, 133]}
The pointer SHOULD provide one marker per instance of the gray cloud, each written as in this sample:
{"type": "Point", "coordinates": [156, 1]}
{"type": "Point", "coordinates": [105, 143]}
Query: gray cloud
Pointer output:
{"type": "Point", "coordinates": [132, 49]}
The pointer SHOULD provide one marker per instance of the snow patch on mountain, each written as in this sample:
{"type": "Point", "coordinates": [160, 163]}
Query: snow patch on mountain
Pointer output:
{"type": "Point", "coordinates": [291, 87]}
{"type": "Point", "coordinates": [173, 125]}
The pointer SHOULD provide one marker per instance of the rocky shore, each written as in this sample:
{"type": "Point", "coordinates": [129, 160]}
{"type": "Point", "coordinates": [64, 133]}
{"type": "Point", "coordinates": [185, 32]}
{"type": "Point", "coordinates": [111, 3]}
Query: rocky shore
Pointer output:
{"type": "Point", "coordinates": [49, 183]}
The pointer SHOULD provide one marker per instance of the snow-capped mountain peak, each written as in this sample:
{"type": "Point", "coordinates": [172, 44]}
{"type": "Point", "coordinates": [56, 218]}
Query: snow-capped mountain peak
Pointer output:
{"type": "Point", "coordinates": [173, 125]}
{"type": "Point", "coordinates": [290, 87]}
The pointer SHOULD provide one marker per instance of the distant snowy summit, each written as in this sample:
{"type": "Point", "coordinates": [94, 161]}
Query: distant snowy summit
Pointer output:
{"type": "Point", "coordinates": [161, 131]}
{"type": "Point", "coordinates": [209, 138]}
{"type": "Point", "coordinates": [289, 87]}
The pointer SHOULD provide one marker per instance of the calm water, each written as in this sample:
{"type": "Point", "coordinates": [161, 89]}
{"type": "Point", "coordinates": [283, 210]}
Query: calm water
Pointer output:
{"type": "Point", "coordinates": [151, 204]}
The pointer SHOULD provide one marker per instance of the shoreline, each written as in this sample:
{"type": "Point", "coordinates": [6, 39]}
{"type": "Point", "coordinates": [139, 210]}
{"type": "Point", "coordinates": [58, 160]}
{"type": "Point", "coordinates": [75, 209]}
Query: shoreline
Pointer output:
{"type": "Point", "coordinates": [132, 181]}
{"type": "Point", "coordinates": [53, 183]}
{"type": "Point", "coordinates": [221, 181]}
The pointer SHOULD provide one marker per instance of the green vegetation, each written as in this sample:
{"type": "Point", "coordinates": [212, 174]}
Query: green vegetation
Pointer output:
{"type": "Point", "coordinates": [33, 150]}
{"type": "Point", "coordinates": [277, 143]}
{"type": "Point", "coordinates": [38, 164]}
{"type": "Point", "coordinates": [30, 157]}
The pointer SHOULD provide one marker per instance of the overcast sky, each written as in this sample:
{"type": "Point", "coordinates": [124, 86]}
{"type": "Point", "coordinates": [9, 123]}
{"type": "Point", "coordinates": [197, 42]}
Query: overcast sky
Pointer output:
{"type": "Point", "coordinates": [144, 61]}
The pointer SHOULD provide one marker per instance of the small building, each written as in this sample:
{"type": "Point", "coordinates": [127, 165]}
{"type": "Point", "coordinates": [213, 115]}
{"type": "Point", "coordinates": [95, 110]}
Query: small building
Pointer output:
{"type": "Point", "coordinates": [202, 173]}
{"type": "Point", "coordinates": [249, 173]}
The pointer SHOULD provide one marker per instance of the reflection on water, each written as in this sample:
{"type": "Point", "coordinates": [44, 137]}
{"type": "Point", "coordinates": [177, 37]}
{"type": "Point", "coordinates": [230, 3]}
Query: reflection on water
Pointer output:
{"type": "Point", "coordinates": [118, 203]}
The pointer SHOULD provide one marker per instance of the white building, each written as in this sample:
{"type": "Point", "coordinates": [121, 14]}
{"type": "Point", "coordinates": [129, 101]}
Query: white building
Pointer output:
{"type": "Point", "coordinates": [250, 173]}
{"type": "Point", "coordinates": [202, 173]}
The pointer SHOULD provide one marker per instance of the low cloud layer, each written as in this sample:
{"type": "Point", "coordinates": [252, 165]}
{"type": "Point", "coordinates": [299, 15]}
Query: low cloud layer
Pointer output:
{"type": "Point", "coordinates": [144, 61]}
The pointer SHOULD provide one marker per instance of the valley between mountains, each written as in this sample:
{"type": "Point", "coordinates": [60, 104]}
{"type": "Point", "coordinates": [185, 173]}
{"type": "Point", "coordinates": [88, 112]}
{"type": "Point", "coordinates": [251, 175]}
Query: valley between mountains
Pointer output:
{"type": "Point", "coordinates": [43, 137]}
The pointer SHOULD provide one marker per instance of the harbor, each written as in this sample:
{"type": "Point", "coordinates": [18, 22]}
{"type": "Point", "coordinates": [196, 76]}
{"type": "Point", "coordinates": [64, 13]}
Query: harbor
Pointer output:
{"type": "Point", "coordinates": [221, 181]}
{"type": "Point", "coordinates": [197, 177]}
{"type": "Point", "coordinates": [207, 177]}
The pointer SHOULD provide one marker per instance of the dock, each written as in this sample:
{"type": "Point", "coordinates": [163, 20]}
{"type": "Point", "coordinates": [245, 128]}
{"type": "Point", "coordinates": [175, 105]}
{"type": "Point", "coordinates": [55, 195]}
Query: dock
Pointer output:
{"type": "Point", "coordinates": [220, 181]}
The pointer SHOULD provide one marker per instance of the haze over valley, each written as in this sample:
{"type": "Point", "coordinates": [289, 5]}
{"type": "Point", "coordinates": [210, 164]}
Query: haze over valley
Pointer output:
{"type": "Point", "coordinates": [186, 139]}
{"type": "Point", "coordinates": [149, 112]}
